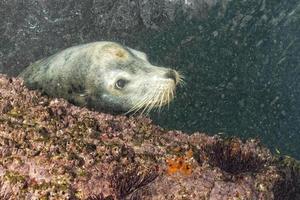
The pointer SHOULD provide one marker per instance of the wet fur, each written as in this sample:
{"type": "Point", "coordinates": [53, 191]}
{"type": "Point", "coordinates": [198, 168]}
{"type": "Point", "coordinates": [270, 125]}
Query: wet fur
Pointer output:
{"type": "Point", "coordinates": [83, 75]}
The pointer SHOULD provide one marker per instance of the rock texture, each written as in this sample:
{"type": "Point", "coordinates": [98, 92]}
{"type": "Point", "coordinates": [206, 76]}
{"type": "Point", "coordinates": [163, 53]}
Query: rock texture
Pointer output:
{"type": "Point", "coordinates": [50, 149]}
{"type": "Point", "coordinates": [34, 29]}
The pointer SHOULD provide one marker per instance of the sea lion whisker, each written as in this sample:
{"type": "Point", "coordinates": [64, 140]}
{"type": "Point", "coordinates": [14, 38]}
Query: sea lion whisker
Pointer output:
{"type": "Point", "coordinates": [182, 82]}
{"type": "Point", "coordinates": [137, 106]}
{"type": "Point", "coordinates": [148, 102]}
{"type": "Point", "coordinates": [168, 97]}
{"type": "Point", "coordinates": [157, 96]}
{"type": "Point", "coordinates": [172, 93]}
{"type": "Point", "coordinates": [164, 97]}
{"type": "Point", "coordinates": [158, 93]}
{"type": "Point", "coordinates": [138, 109]}
{"type": "Point", "coordinates": [152, 101]}
{"type": "Point", "coordinates": [140, 104]}
{"type": "Point", "coordinates": [161, 101]}
{"type": "Point", "coordinates": [145, 107]}
{"type": "Point", "coordinates": [155, 101]}
{"type": "Point", "coordinates": [133, 108]}
{"type": "Point", "coordinates": [181, 78]}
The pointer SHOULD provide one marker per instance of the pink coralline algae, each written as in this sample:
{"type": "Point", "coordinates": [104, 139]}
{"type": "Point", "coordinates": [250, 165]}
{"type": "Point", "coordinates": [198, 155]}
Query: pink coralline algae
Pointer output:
{"type": "Point", "coordinates": [50, 149]}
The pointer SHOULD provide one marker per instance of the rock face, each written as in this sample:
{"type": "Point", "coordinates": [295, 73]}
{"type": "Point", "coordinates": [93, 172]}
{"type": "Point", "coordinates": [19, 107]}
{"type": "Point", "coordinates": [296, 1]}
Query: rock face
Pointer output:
{"type": "Point", "coordinates": [51, 149]}
{"type": "Point", "coordinates": [34, 29]}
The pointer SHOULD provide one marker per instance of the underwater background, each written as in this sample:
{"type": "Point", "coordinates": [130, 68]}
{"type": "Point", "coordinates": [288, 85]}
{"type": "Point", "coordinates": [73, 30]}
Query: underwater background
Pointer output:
{"type": "Point", "coordinates": [242, 73]}
{"type": "Point", "coordinates": [240, 59]}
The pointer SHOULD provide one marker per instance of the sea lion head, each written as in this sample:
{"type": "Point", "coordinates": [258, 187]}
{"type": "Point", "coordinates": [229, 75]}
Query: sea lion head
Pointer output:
{"type": "Point", "coordinates": [122, 79]}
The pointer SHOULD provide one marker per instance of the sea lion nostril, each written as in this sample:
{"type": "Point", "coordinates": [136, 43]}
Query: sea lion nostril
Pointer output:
{"type": "Point", "coordinates": [171, 74]}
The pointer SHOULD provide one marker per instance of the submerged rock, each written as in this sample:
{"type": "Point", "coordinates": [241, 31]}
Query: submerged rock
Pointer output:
{"type": "Point", "coordinates": [33, 29]}
{"type": "Point", "coordinates": [51, 149]}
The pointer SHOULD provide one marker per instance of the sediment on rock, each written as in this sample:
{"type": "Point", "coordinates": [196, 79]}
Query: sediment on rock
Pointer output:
{"type": "Point", "coordinates": [51, 149]}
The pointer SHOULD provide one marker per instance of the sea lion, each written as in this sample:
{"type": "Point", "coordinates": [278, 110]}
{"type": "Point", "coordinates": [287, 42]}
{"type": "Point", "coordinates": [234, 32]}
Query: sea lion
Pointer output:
{"type": "Point", "coordinates": [104, 76]}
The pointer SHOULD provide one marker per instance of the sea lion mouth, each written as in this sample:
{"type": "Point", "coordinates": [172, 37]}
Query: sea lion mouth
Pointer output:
{"type": "Point", "coordinates": [160, 95]}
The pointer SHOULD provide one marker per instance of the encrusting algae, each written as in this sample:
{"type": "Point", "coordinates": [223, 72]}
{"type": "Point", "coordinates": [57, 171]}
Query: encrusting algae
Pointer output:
{"type": "Point", "coordinates": [50, 149]}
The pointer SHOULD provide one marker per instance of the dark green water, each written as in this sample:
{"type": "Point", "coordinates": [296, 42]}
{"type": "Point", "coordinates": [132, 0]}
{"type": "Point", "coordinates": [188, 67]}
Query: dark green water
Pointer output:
{"type": "Point", "coordinates": [242, 72]}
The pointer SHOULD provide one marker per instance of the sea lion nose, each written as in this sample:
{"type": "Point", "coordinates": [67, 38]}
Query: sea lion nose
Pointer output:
{"type": "Point", "coordinates": [171, 74]}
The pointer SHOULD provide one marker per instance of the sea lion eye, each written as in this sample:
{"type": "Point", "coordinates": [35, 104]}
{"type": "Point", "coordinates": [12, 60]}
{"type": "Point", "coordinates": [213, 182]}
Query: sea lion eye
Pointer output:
{"type": "Point", "coordinates": [120, 84]}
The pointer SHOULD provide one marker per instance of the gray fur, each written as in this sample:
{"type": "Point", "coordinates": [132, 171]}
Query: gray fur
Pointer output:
{"type": "Point", "coordinates": [86, 76]}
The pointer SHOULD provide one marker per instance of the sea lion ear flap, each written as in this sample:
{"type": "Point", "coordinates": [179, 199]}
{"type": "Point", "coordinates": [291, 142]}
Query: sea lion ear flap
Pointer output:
{"type": "Point", "coordinates": [116, 51]}
{"type": "Point", "coordinates": [139, 54]}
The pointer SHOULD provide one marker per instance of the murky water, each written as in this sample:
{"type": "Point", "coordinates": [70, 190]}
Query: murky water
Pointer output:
{"type": "Point", "coordinates": [242, 73]}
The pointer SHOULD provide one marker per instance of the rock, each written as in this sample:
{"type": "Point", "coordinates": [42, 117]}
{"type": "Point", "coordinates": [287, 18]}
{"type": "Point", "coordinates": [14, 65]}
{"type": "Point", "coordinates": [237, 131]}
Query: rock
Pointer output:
{"type": "Point", "coordinates": [51, 149]}
{"type": "Point", "coordinates": [34, 29]}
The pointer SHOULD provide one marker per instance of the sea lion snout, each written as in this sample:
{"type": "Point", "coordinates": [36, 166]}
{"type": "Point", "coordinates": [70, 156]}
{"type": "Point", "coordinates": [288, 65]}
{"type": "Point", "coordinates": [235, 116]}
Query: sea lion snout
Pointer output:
{"type": "Point", "coordinates": [172, 74]}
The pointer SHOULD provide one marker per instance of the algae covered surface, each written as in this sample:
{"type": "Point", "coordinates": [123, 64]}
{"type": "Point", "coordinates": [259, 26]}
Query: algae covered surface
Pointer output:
{"type": "Point", "coordinates": [51, 149]}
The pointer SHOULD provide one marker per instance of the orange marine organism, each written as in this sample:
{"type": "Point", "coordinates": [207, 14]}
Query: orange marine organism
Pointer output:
{"type": "Point", "coordinates": [180, 164]}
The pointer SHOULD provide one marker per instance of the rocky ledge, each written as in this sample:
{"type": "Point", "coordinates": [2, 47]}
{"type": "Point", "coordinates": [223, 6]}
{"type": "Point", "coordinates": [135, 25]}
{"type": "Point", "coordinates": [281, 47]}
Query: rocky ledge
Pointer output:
{"type": "Point", "coordinates": [51, 149]}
